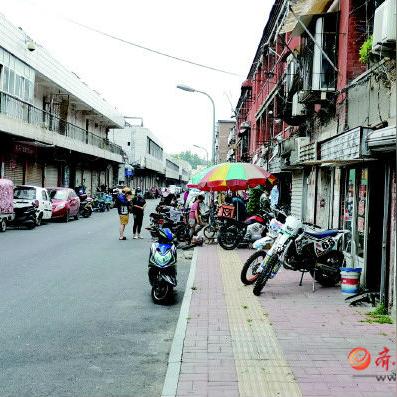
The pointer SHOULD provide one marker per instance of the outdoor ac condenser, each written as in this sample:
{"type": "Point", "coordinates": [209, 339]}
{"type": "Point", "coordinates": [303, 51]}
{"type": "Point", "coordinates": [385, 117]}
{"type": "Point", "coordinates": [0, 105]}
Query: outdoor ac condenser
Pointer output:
{"type": "Point", "coordinates": [384, 34]}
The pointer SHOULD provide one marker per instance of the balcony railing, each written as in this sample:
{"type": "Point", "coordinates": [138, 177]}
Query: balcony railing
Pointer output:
{"type": "Point", "coordinates": [24, 111]}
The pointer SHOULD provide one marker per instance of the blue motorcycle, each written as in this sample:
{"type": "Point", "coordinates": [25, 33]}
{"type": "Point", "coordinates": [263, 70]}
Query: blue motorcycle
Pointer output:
{"type": "Point", "coordinates": [162, 265]}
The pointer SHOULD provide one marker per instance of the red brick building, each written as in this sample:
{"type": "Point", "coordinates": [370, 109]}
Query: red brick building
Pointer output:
{"type": "Point", "coordinates": [318, 110]}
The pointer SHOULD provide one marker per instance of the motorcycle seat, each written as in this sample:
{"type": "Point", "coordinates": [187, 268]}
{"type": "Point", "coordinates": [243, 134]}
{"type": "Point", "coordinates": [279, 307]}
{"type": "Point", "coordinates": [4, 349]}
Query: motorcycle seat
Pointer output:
{"type": "Point", "coordinates": [323, 233]}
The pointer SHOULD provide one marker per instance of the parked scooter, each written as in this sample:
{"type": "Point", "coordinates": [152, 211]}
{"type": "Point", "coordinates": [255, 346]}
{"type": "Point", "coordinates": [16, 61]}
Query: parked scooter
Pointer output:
{"type": "Point", "coordinates": [85, 205]}
{"type": "Point", "coordinates": [249, 272]}
{"type": "Point", "coordinates": [162, 266]}
{"type": "Point", "coordinates": [305, 251]}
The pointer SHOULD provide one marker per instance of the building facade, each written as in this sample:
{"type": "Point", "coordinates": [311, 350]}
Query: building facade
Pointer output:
{"type": "Point", "coordinates": [53, 127]}
{"type": "Point", "coordinates": [223, 128]}
{"type": "Point", "coordinates": [318, 109]}
{"type": "Point", "coordinates": [147, 164]}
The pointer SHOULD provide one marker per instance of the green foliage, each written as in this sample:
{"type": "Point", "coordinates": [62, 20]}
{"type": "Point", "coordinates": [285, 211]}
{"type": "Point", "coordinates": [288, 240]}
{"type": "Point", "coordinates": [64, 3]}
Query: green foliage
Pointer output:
{"type": "Point", "coordinates": [253, 205]}
{"type": "Point", "coordinates": [192, 158]}
{"type": "Point", "coordinates": [379, 315]}
{"type": "Point", "coordinates": [365, 50]}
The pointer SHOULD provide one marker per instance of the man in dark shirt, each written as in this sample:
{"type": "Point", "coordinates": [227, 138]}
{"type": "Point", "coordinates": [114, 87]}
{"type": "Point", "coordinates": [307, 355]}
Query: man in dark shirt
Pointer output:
{"type": "Point", "coordinates": [239, 204]}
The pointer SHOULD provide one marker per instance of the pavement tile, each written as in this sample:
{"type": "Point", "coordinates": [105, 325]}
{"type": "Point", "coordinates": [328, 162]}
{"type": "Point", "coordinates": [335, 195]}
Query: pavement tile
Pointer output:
{"type": "Point", "coordinates": [225, 345]}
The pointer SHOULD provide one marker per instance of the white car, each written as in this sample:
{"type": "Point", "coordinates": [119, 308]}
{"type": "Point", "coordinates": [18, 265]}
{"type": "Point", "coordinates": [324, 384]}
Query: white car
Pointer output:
{"type": "Point", "coordinates": [38, 196]}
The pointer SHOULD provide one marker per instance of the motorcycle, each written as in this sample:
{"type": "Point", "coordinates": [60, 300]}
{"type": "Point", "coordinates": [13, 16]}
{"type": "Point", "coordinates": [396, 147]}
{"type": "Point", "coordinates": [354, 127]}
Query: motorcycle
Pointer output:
{"type": "Point", "coordinates": [232, 231]}
{"type": "Point", "coordinates": [162, 266]}
{"type": "Point", "coordinates": [99, 203]}
{"type": "Point", "coordinates": [249, 272]}
{"type": "Point", "coordinates": [305, 251]}
{"type": "Point", "coordinates": [85, 206]}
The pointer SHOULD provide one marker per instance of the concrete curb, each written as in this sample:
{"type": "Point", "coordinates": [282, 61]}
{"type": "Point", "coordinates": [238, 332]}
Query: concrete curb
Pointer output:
{"type": "Point", "coordinates": [175, 357]}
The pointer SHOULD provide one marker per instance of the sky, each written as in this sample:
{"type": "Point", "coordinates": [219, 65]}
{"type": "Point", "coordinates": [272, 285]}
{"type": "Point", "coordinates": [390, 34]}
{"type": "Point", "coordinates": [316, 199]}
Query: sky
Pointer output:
{"type": "Point", "coordinates": [223, 34]}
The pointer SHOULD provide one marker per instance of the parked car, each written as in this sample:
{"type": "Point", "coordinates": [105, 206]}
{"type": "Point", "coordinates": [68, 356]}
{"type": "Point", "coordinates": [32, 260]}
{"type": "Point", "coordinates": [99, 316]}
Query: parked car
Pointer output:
{"type": "Point", "coordinates": [26, 194]}
{"type": "Point", "coordinates": [65, 203]}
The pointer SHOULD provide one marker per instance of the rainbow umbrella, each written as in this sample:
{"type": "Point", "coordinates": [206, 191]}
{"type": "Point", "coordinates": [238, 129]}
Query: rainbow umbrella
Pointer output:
{"type": "Point", "coordinates": [198, 176]}
{"type": "Point", "coordinates": [232, 176]}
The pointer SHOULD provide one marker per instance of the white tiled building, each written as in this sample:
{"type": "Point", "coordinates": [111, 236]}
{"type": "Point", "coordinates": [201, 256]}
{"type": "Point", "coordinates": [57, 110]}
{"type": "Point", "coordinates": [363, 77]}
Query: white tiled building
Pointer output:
{"type": "Point", "coordinates": [53, 127]}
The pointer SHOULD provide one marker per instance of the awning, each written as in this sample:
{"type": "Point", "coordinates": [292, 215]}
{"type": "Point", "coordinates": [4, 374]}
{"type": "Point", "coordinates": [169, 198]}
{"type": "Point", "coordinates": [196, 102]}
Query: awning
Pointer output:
{"type": "Point", "coordinates": [304, 9]}
{"type": "Point", "coordinates": [382, 140]}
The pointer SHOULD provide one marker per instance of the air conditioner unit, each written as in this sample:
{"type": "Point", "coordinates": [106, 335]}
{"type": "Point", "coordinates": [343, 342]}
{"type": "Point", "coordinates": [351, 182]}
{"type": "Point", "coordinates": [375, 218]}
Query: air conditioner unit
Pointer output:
{"type": "Point", "coordinates": [384, 34]}
{"type": "Point", "coordinates": [298, 109]}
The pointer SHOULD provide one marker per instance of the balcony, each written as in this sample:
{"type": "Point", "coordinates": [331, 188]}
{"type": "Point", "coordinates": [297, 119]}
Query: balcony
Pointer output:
{"type": "Point", "coordinates": [70, 136]}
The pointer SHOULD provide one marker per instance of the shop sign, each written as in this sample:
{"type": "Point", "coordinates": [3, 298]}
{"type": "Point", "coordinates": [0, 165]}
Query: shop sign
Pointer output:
{"type": "Point", "coordinates": [346, 146]}
{"type": "Point", "coordinates": [19, 148]}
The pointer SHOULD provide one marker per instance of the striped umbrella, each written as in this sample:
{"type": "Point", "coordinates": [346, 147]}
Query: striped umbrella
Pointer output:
{"type": "Point", "coordinates": [231, 176]}
{"type": "Point", "coordinates": [198, 176]}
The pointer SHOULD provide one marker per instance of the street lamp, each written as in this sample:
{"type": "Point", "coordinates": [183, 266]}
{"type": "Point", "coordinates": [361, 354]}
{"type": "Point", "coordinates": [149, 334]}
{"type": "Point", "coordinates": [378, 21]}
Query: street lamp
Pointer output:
{"type": "Point", "coordinates": [203, 148]}
{"type": "Point", "coordinates": [190, 89]}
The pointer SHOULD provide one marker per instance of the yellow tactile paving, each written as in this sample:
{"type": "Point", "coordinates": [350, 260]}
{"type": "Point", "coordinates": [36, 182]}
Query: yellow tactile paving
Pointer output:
{"type": "Point", "coordinates": [261, 368]}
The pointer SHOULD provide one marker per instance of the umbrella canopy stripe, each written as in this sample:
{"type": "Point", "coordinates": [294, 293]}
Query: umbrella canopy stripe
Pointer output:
{"type": "Point", "coordinates": [234, 176]}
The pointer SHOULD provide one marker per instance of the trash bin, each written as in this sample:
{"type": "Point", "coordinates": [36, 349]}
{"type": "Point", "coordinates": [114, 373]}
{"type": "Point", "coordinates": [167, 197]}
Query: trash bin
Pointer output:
{"type": "Point", "coordinates": [350, 280]}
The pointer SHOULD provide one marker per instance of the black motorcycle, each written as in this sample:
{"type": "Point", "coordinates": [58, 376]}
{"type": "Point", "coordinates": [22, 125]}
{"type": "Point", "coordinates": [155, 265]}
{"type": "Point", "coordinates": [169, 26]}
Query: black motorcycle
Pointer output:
{"type": "Point", "coordinates": [85, 209]}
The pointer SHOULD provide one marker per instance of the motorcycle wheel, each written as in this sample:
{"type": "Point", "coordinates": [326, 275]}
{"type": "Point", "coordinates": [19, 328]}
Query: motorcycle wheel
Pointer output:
{"type": "Point", "coordinates": [248, 272]}
{"type": "Point", "coordinates": [31, 225]}
{"type": "Point", "coordinates": [264, 276]}
{"type": "Point", "coordinates": [210, 232]}
{"type": "Point", "coordinates": [161, 293]}
{"type": "Point", "coordinates": [228, 238]}
{"type": "Point", "coordinates": [181, 234]}
{"type": "Point", "coordinates": [87, 213]}
{"type": "Point", "coordinates": [333, 259]}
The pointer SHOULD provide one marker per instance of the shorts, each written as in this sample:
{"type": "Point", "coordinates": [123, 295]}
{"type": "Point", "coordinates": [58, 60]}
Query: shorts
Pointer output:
{"type": "Point", "coordinates": [192, 222]}
{"type": "Point", "coordinates": [124, 219]}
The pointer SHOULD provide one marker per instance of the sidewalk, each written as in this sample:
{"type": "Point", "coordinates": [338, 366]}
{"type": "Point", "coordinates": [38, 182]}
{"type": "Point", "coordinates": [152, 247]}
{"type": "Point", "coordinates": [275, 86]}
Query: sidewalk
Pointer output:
{"type": "Point", "coordinates": [288, 342]}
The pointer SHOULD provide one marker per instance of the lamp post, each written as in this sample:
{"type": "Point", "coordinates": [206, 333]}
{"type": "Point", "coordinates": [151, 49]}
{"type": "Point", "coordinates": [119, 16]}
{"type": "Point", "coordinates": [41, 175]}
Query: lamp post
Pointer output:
{"type": "Point", "coordinates": [190, 89]}
{"type": "Point", "coordinates": [203, 148]}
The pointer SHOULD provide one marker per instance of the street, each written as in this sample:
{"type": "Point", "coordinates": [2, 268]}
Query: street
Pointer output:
{"type": "Point", "coordinates": [76, 314]}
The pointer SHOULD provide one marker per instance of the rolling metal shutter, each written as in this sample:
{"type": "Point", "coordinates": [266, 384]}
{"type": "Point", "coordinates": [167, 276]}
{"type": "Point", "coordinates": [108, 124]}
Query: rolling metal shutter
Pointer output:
{"type": "Point", "coordinates": [94, 182]}
{"type": "Point", "coordinates": [78, 178]}
{"type": "Point", "coordinates": [51, 176]}
{"type": "Point", "coordinates": [34, 174]}
{"type": "Point", "coordinates": [297, 194]}
{"type": "Point", "coordinates": [13, 170]}
{"type": "Point", "coordinates": [102, 178]}
{"type": "Point", "coordinates": [87, 181]}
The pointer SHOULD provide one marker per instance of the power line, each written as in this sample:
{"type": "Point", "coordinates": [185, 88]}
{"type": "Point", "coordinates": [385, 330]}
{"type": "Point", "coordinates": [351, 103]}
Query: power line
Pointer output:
{"type": "Point", "coordinates": [150, 49]}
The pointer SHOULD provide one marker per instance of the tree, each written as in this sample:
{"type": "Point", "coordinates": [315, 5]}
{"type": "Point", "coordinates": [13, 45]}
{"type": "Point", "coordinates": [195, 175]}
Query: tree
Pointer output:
{"type": "Point", "coordinates": [192, 158]}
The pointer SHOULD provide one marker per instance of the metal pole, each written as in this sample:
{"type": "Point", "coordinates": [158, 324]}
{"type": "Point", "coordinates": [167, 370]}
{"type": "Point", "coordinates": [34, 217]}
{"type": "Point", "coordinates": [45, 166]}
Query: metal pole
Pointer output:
{"type": "Point", "coordinates": [213, 125]}
{"type": "Point", "coordinates": [384, 270]}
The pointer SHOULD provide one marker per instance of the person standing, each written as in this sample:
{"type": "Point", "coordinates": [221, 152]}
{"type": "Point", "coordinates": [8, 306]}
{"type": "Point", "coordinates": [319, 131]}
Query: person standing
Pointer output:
{"type": "Point", "coordinates": [123, 205]}
{"type": "Point", "coordinates": [194, 215]}
{"type": "Point", "coordinates": [138, 206]}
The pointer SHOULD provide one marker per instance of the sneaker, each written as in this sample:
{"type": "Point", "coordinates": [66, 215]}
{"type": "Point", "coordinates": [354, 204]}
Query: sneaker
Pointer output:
{"type": "Point", "coordinates": [139, 236]}
{"type": "Point", "coordinates": [135, 237]}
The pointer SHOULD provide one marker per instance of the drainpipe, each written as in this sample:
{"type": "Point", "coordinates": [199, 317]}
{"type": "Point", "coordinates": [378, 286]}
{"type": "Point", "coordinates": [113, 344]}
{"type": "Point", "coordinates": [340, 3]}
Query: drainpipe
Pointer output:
{"type": "Point", "coordinates": [384, 269]}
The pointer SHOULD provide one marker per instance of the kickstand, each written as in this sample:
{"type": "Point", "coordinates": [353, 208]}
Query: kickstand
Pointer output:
{"type": "Point", "coordinates": [300, 283]}
{"type": "Point", "coordinates": [314, 279]}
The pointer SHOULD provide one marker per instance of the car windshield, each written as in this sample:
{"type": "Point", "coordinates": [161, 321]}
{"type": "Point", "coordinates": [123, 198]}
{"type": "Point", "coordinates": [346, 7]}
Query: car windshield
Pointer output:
{"type": "Point", "coordinates": [25, 193]}
{"type": "Point", "coordinates": [59, 194]}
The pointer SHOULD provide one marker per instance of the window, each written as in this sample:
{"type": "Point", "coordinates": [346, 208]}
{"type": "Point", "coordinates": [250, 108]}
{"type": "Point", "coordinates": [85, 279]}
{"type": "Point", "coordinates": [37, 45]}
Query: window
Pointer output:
{"type": "Point", "coordinates": [172, 166]}
{"type": "Point", "coordinates": [154, 150]}
{"type": "Point", "coordinates": [6, 77]}
{"type": "Point", "coordinates": [318, 73]}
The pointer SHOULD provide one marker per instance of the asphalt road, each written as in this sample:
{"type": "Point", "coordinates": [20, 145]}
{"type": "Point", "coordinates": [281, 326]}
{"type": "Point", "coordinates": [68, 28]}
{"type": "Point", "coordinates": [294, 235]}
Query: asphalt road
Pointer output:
{"type": "Point", "coordinates": [76, 317]}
